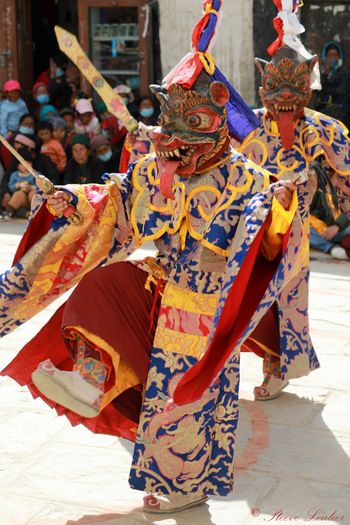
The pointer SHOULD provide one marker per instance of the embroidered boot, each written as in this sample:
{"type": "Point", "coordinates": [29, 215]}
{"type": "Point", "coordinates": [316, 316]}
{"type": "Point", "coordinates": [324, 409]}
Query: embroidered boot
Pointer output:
{"type": "Point", "coordinates": [272, 384]}
{"type": "Point", "coordinates": [81, 390]}
{"type": "Point", "coordinates": [169, 503]}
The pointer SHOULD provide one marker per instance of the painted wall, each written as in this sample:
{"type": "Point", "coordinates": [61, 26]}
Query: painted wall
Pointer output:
{"type": "Point", "coordinates": [233, 50]}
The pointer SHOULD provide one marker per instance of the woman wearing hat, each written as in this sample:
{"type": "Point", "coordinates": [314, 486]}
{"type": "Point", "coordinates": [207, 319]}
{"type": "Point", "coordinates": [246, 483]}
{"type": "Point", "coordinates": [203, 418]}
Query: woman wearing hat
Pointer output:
{"type": "Point", "coordinates": [12, 108]}
{"type": "Point", "coordinates": [102, 149]}
{"type": "Point", "coordinates": [83, 168]}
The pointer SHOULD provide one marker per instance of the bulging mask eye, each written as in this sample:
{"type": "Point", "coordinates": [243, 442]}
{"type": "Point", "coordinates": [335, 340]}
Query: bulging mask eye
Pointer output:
{"type": "Point", "coordinates": [163, 119]}
{"type": "Point", "coordinates": [176, 104]}
{"type": "Point", "coordinates": [302, 83]}
{"type": "Point", "coordinates": [270, 83]}
{"type": "Point", "coordinates": [199, 121]}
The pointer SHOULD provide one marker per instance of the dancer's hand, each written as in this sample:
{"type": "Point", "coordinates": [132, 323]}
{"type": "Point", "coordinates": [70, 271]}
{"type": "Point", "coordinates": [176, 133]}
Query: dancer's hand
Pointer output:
{"type": "Point", "coordinates": [58, 201]}
{"type": "Point", "coordinates": [284, 194]}
{"type": "Point", "coordinates": [130, 138]}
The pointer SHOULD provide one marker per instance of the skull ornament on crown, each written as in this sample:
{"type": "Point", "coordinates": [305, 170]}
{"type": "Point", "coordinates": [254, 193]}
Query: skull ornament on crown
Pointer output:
{"type": "Point", "coordinates": [290, 77]}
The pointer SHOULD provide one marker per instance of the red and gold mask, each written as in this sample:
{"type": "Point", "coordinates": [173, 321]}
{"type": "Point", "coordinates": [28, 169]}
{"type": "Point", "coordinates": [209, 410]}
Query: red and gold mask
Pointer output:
{"type": "Point", "coordinates": [286, 89]}
{"type": "Point", "coordinates": [192, 128]}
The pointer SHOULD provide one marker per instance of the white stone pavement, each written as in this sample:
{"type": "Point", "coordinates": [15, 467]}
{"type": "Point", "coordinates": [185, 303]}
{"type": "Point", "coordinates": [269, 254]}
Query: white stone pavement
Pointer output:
{"type": "Point", "coordinates": [292, 454]}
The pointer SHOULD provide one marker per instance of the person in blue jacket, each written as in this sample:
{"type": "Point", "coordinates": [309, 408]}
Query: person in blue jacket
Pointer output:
{"type": "Point", "coordinates": [12, 108]}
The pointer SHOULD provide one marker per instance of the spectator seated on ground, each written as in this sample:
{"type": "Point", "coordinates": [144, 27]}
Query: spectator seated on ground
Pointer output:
{"type": "Point", "coordinates": [102, 149]}
{"type": "Point", "coordinates": [68, 116]}
{"type": "Point", "coordinates": [12, 108]}
{"type": "Point", "coordinates": [48, 112]}
{"type": "Point", "coordinates": [328, 233]}
{"type": "Point", "coordinates": [51, 147]}
{"type": "Point", "coordinates": [83, 168]}
{"type": "Point", "coordinates": [86, 121]}
{"type": "Point", "coordinates": [41, 163]}
{"type": "Point", "coordinates": [146, 111]}
{"type": "Point", "coordinates": [26, 126]}
{"type": "Point", "coordinates": [22, 187]}
{"type": "Point", "coordinates": [59, 133]}
{"type": "Point", "coordinates": [41, 97]}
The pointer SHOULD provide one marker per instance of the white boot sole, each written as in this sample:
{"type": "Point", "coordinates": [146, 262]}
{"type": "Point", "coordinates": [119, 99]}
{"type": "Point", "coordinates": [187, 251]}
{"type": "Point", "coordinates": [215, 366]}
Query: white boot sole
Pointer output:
{"type": "Point", "coordinates": [177, 509]}
{"type": "Point", "coordinates": [271, 396]}
{"type": "Point", "coordinates": [54, 391]}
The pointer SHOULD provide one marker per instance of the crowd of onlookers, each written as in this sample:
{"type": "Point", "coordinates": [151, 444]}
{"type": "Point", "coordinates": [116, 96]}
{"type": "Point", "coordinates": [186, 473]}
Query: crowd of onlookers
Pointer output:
{"type": "Point", "coordinates": [71, 140]}
{"type": "Point", "coordinates": [66, 136]}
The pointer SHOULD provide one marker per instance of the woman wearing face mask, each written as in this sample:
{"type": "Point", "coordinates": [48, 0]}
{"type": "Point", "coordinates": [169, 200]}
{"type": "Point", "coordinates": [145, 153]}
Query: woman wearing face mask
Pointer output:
{"type": "Point", "coordinates": [41, 97]}
{"type": "Point", "coordinates": [146, 110]}
{"type": "Point", "coordinates": [26, 128]}
{"type": "Point", "coordinates": [27, 124]}
{"type": "Point", "coordinates": [102, 149]}
{"type": "Point", "coordinates": [334, 98]}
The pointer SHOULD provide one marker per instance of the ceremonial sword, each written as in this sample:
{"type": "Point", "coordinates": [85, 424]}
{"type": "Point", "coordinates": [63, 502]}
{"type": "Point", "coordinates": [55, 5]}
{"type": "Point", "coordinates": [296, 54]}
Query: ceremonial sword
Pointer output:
{"type": "Point", "coordinates": [69, 44]}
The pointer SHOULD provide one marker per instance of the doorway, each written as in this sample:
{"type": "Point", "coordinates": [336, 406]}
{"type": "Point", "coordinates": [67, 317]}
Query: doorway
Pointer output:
{"type": "Point", "coordinates": [45, 14]}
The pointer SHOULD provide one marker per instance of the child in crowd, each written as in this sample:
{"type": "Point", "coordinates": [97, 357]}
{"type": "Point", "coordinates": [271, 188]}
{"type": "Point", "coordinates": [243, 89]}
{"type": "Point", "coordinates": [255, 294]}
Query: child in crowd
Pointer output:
{"type": "Point", "coordinates": [41, 97]}
{"type": "Point", "coordinates": [51, 147]}
{"type": "Point", "coordinates": [68, 115]}
{"type": "Point", "coordinates": [60, 134]}
{"type": "Point", "coordinates": [86, 121]}
{"type": "Point", "coordinates": [48, 112]}
{"type": "Point", "coordinates": [12, 108]}
{"type": "Point", "coordinates": [22, 187]}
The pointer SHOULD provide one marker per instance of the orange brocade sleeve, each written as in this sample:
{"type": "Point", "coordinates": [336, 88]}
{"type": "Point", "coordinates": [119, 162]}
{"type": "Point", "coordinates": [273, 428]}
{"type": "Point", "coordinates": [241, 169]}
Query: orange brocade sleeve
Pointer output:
{"type": "Point", "coordinates": [278, 223]}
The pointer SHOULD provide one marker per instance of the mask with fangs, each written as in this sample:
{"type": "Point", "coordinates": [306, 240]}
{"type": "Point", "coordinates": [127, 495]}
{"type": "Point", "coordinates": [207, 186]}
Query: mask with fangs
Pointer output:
{"type": "Point", "coordinates": [286, 89]}
{"type": "Point", "coordinates": [192, 128]}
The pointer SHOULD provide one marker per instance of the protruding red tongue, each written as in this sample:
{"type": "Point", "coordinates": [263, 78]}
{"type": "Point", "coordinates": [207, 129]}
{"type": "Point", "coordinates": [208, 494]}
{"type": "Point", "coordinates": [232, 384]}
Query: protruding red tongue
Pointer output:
{"type": "Point", "coordinates": [168, 169]}
{"type": "Point", "coordinates": [286, 128]}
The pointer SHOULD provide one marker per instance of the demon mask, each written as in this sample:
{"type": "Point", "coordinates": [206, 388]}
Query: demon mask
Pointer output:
{"type": "Point", "coordinates": [286, 89]}
{"type": "Point", "coordinates": [192, 129]}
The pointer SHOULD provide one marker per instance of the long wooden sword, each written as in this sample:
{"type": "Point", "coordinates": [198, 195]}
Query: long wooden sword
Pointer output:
{"type": "Point", "coordinates": [69, 44]}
